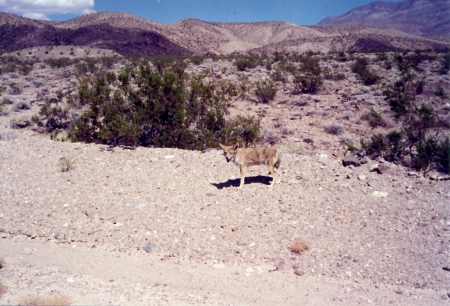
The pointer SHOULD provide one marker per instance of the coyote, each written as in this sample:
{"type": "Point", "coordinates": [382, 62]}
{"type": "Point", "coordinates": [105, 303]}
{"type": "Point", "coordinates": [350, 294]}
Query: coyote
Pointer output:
{"type": "Point", "coordinates": [244, 158]}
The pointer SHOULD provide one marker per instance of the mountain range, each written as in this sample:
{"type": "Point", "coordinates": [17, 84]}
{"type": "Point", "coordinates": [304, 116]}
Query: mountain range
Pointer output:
{"type": "Point", "coordinates": [374, 27]}
{"type": "Point", "coordinates": [417, 17]}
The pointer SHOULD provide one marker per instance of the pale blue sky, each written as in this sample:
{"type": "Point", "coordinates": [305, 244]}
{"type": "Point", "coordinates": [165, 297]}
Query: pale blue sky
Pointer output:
{"type": "Point", "coordinates": [301, 12]}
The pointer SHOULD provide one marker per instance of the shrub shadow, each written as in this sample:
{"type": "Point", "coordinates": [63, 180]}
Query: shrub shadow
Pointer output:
{"type": "Point", "coordinates": [261, 179]}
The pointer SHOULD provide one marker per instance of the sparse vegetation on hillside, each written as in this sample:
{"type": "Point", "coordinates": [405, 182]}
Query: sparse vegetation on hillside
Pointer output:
{"type": "Point", "coordinates": [421, 133]}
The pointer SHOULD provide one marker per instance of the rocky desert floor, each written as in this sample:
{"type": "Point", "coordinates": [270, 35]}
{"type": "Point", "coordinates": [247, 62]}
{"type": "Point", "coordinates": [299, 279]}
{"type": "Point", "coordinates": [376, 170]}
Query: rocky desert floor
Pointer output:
{"type": "Point", "coordinates": [161, 226]}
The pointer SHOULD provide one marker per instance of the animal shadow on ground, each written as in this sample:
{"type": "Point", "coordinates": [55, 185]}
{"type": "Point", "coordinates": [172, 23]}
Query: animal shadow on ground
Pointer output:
{"type": "Point", "coordinates": [248, 180]}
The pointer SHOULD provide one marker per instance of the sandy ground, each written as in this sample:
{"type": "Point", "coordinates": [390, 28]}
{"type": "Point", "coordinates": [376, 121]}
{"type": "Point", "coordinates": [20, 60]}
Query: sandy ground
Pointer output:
{"type": "Point", "coordinates": [169, 227]}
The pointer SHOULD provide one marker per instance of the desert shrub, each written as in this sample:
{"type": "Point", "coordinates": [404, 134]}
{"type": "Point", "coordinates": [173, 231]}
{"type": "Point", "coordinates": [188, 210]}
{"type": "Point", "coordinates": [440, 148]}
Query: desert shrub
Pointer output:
{"type": "Point", "coordinates": [421, 135]}
{"type": "Point", "coordinates": [52, 117]}
{"type": "Point", "coordinates": [65, 164]}
{"type": "Point", "coordinates": [165, 63]}
{"type": "Point", "coordinates": [414, 59]}
{"type": "Point", "coordinates": [15, 64]}
{"type": "Point", "coordinates": [19, 123]}
{"type": "Point", "coordinates": [60, 62]}
{"type": "Point", "coordinates": [278, 75]}
{"type": "Point", "coordinates": [360, 67]}
{"type": "Point", "coordinates": [81, 68]}
{"type": "Point", "coordinates": [445, 64]}
{"type": "Point", "coordinates": [197, 59]}
{"type": "Point", "coordinates": [26, 68]}
{"type": "Point", "coordinates": [329, 74]}
{"type": "Point", "coordinates": [374, 118]}
{"type": "Point", "coordinates": [243, 130]}
{"type": "Point", "coordinates": [228, 88]}
{"type": "Point", "coordinates": [245, 62]}
{"type": "Point", "coordinates": [265, 91]}
{"type": "Point", "coordinates": [108, 61]}
{"type": "Point", "coordinates": [153, 110]}
{"type": "Point", "coordinates": [111, 77]}
{"type": "Point", "coordinates": [279, 56]}
{"type": "Point", "coordinates": [334, 129]}
{"type": "Point", "coordinates": [20, 106]}
{"type": "Point", "coordinates": [308, 78]}
{"type": "Point", "coordinates": [439, 91]}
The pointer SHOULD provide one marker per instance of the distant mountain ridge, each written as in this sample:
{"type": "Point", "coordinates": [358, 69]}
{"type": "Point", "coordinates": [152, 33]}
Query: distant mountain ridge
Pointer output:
{"type": "Point", "coordinates": [417, 17]}
{"type": "Point", "coordinates": [127, 34]}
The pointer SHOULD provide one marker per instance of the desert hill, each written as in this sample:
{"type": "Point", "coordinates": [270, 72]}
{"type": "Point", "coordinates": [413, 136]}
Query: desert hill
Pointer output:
{"type": "Point", "coordinates": [127, 34]}
{"type": "Point", "coordinates": [417, 17]}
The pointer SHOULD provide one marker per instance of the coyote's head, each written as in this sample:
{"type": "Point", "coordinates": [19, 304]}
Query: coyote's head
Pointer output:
{"type": "Point", "coordinates": [229, 151]}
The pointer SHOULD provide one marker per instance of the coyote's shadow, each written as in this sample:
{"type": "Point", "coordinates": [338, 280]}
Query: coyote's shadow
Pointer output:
{"type": "Point", "coordinates": [261, 179]}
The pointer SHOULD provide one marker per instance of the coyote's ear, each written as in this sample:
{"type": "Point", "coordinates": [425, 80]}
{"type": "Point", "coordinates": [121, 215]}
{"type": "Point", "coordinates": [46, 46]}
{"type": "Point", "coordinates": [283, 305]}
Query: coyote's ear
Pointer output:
{"type": "Point", "coordinates": [236, 147]}
{"type": "Point", "coordinates": [222, 146]}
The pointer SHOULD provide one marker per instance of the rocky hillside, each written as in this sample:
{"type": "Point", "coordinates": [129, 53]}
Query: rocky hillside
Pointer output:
{"type": "Point", "coordinates": [127, 34]}
{"type": "Point", "coordinates": [417, 17]}
{"type": "Point", "coordinates": [20, 33]}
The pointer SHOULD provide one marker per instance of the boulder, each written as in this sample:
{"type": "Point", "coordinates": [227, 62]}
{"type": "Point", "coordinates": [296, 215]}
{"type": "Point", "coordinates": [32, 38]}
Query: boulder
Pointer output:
{"type": "Point", "coordinates": [353, 159]}
{"type": "Point", "coordinates": [379, 168]}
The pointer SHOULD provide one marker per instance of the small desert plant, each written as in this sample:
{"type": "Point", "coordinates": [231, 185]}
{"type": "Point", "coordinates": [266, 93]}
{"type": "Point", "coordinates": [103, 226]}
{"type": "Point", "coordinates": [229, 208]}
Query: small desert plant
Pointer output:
{"type": "Point", "coordinates": [19, 123]}
{"type": "Point", "coordinates": [265, 91]}
{"type": "Point", "coordinates": [332, 75]}
{"type": "Point", "coordinates": [374, 118]}
{"type": "Point", "coordinates": [300, 245]}
{"type": "Point", "coordinates": [52, 118]}
{"type": "Point", "coordinates": [66, 164]}
{"type": "Point", "coordinates": [20, 106]}
{"type": "Point", "coordinates": [59, 62]}
{"type": "Point", "coordinates": [278, 75]}
{"type": "Point", "coordinates": [197, 59]}
{"type": "Point", "coordinates": [245, 62]}
{"type": "Point", "coordinates": [439, 91]}
{"type": "Point", "coordinates": [445, 64]}
{"type": "Point", "coordinates": [360, 67]}
{"type": "Point", "coordinates": [51, 300]}
{"type": "Point", "coordinates": [334, 129]}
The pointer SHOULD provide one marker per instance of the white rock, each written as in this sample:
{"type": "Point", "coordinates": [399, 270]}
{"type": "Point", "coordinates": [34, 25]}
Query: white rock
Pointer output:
{"type": "Point", "coordinates": [380, 194]}
{"type": "Point", "coordinates": [219, 266]}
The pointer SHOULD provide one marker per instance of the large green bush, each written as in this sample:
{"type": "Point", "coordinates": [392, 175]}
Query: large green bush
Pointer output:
{"type": "Point", "coordinates": [308, 78]}
{"type": "Point", "coordinates": [163, 111]}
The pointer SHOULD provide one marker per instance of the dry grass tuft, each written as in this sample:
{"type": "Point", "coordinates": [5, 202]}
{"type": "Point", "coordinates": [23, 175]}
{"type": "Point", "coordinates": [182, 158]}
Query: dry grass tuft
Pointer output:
{"type": "Point", "coordinates": [66, 164]}
{"type": "Point", "coordinates": [300, 245]}
{"type": "Point", "coordinates": [51, 300]}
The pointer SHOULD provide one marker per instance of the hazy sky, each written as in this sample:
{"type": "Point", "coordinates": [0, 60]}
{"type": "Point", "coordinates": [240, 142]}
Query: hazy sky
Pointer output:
{"type": "Point", "coordinates": [301, 12]}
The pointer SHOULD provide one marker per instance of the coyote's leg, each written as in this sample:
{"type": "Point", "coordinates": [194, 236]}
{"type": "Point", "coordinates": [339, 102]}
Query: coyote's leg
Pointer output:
{"type": "Point", "coordinates": [272, 172]}
{"type": "Point", "coordinates": [279, 175]}
{"type": "Point", "coordinates": [243, 171]}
